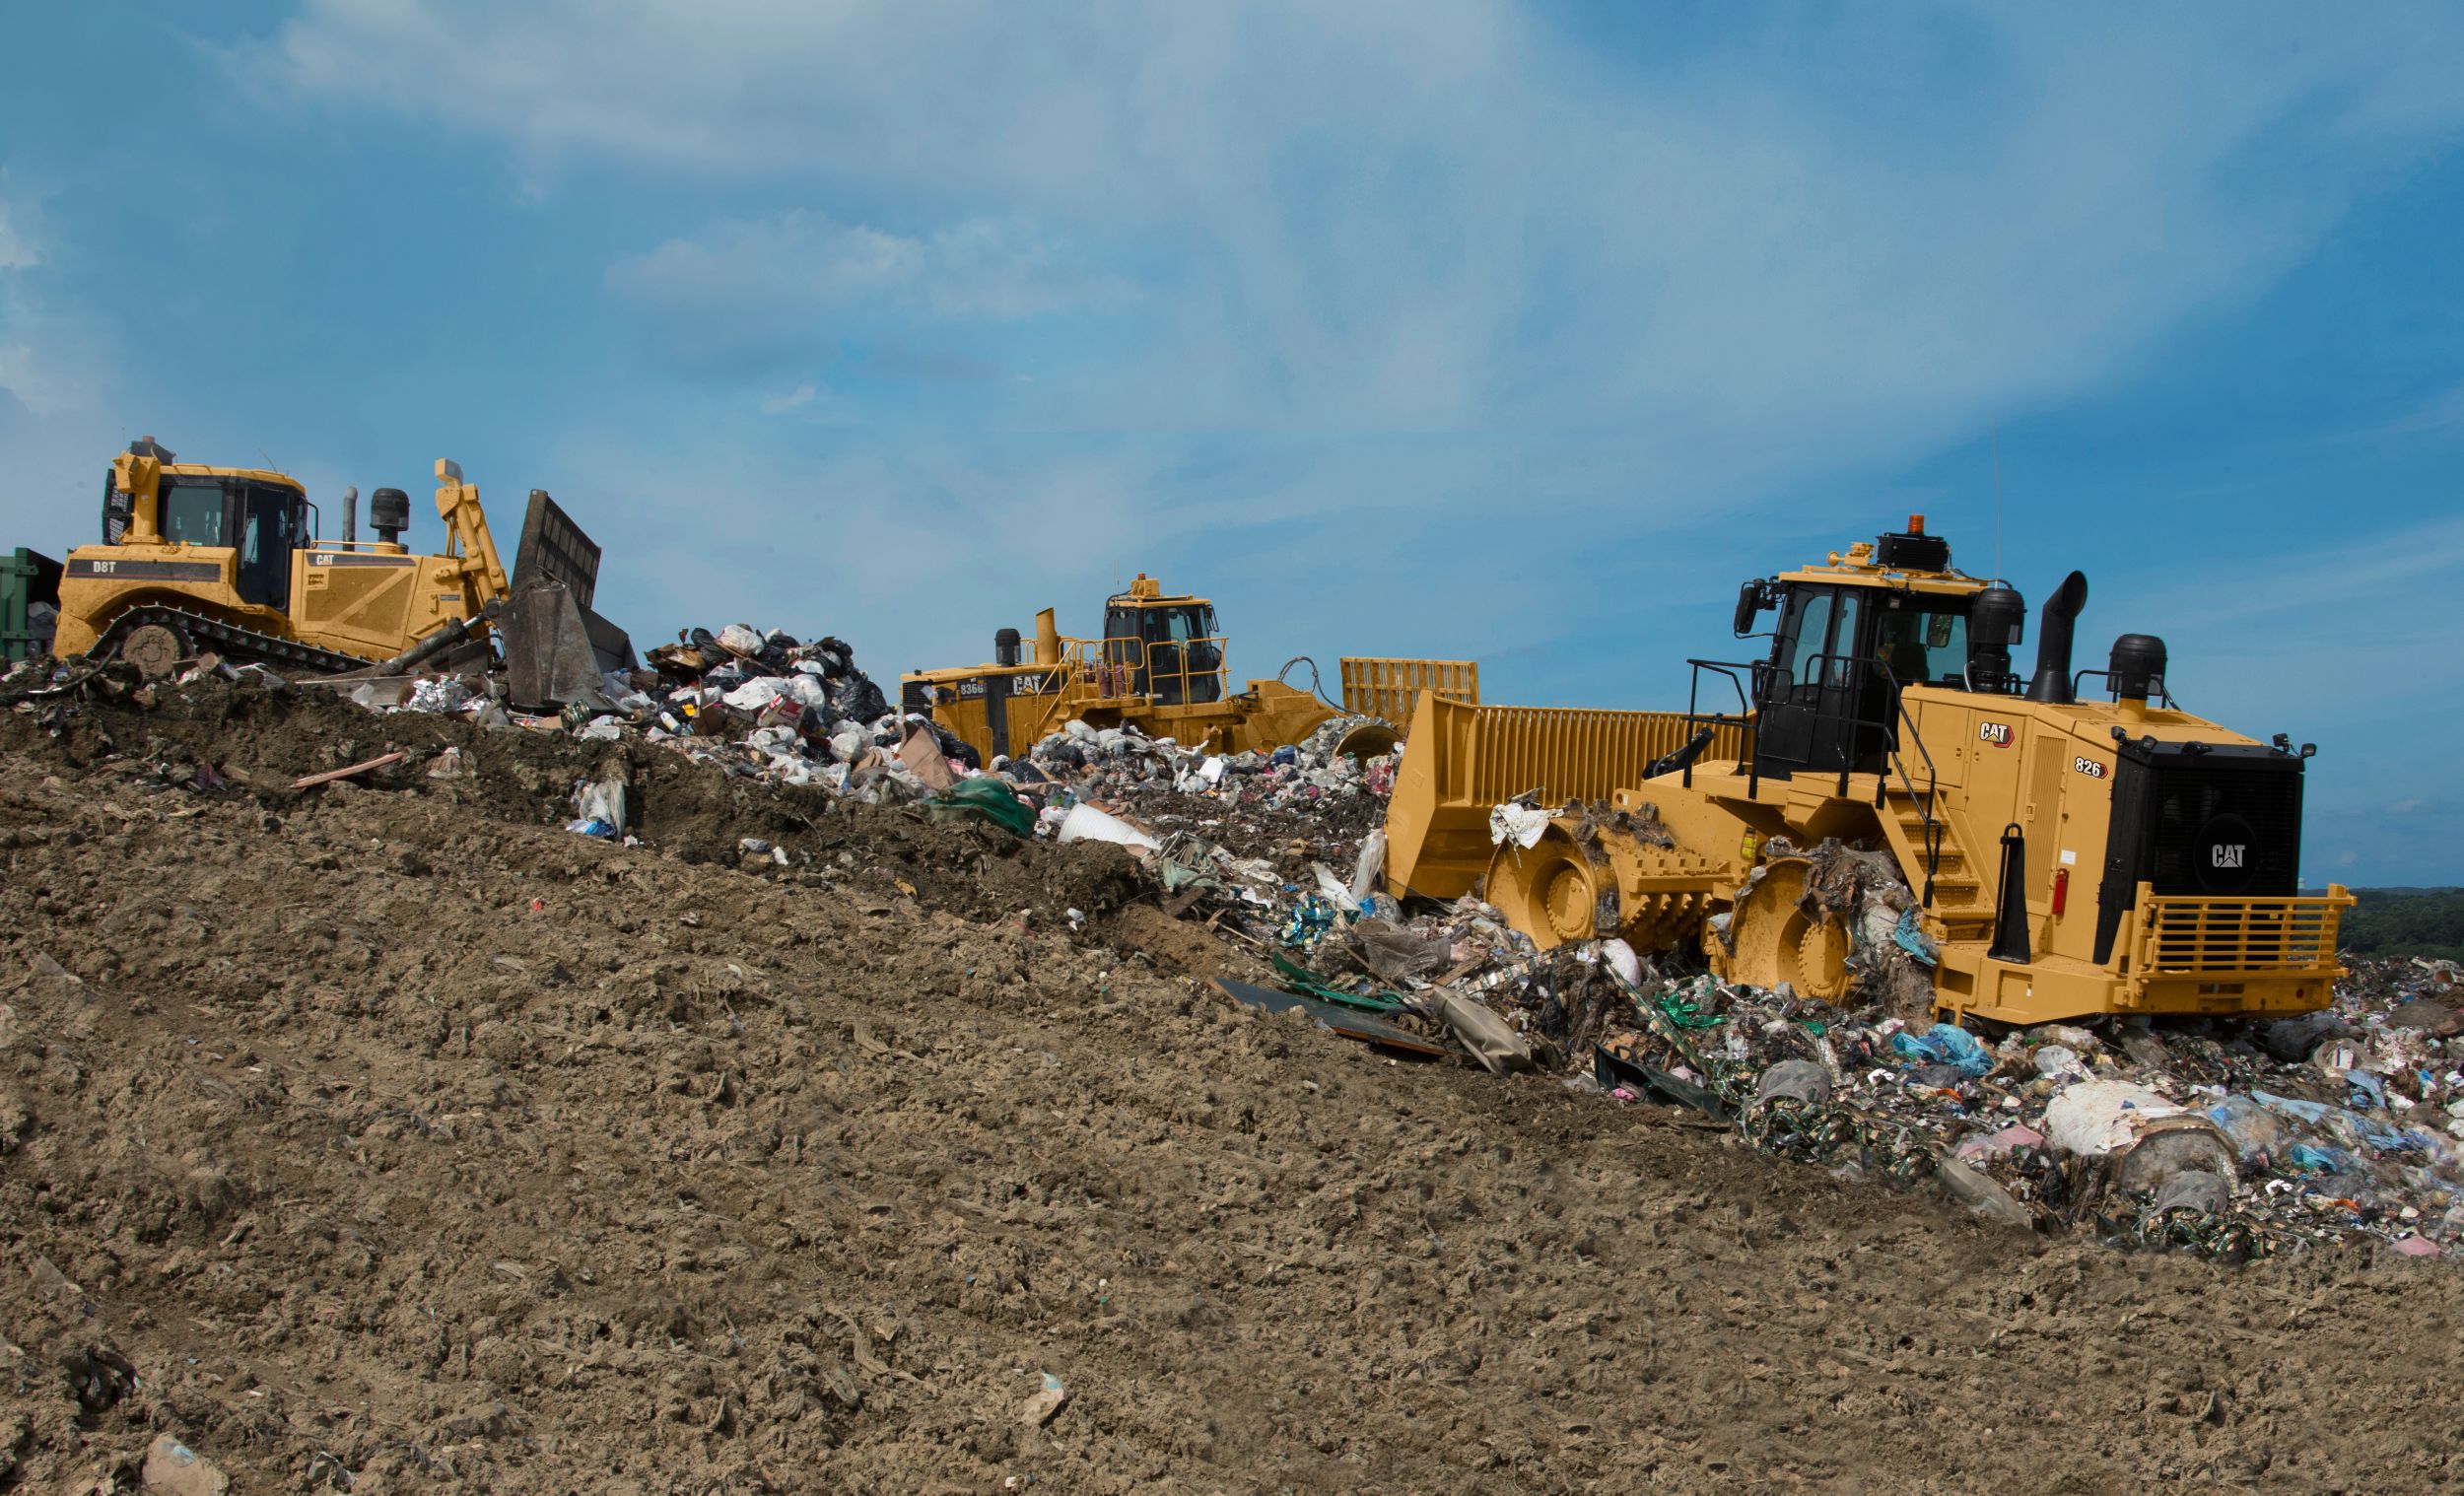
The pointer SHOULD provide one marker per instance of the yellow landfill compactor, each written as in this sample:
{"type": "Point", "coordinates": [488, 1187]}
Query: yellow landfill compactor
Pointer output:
{"type": "Point", "coordinates": [197, 559]}
{"type": "Point", "coordinates": [2064, 857]}
{"type": "Point", "coordinates": [1159, 668]}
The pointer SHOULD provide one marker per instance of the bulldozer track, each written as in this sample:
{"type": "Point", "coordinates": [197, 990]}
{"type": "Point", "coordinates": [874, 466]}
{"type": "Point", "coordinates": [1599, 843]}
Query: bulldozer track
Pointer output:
{"type": "Point", "coordinates": [204, 632]}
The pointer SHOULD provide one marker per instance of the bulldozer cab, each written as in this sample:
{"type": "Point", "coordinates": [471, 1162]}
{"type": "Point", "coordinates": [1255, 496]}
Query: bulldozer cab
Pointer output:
{"type": "Point", "coordinates": [264, 520]}
{"type": "Point", "coordinates": [1166, 648]}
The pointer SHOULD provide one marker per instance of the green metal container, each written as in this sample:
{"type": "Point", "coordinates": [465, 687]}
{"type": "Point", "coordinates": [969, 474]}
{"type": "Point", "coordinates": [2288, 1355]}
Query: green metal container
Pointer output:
{"type": "Point", "coordinates": [27, 577]}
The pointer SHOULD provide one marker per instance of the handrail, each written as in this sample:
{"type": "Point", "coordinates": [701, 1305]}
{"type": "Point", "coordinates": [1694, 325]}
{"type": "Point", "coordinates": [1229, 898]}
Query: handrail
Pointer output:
{"type": "Point", "coordinates": [1111, 667]}
{"type": "Point", "coordinates": [1858, 676]}
{"type": "Point", "coordinates": [1727, 670]}
{"type": "Point", "coordinates": [1932, 782]}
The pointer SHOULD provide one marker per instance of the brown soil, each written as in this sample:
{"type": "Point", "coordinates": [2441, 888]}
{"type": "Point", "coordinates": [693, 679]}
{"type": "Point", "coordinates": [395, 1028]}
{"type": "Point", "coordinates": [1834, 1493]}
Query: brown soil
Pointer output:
{"type": "Point", "coordinates": [393, 1130]}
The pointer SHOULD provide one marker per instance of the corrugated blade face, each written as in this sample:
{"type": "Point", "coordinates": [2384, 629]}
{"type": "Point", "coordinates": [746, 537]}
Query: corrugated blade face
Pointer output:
{"type": "Point", "coordinates": [554, 549]}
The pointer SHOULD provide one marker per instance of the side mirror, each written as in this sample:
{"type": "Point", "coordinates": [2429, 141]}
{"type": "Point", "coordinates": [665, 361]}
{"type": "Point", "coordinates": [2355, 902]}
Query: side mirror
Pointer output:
{"type": "Point", "coordinates": [1751, 598]}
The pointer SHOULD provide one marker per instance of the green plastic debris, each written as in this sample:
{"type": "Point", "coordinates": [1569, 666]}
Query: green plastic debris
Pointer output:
{"type": "Point", "coordinates": [1305, 982]}
{"type": "Point", "coordinates": [982, 800]}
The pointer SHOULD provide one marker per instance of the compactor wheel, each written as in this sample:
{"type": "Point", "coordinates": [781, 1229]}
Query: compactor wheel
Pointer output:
{"type": "Point", "coordinates": [1822, 961]}
{"type": "Point", "coordinates": [1775, 940]}
{"type": "Point", "coordinates": [156, 649]}
{"type": "Point", "coordinates": [1550, 889]}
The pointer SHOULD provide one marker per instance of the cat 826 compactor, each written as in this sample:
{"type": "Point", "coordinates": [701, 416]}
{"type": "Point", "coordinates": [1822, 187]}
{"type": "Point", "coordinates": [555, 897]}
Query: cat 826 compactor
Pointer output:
{"type": "Point", "coordinates": [197, 559]}
{"type": "Point", "coordinates": [2063, 858]}
{"type": "Point", "coordinates": [1160, 668]}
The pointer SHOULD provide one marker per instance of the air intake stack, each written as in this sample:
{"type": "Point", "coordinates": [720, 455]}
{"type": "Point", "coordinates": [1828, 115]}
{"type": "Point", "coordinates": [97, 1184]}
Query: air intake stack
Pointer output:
{"type": "Point", "coordinates": [389, 515]}
{"type": "Point", "coordinates": [2137, 667]}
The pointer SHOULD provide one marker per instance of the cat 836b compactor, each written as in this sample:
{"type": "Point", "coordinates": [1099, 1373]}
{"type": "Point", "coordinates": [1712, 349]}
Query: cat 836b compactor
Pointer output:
{"type": "Point", "coordinates": [2062, 857]}
{"type": "Point", "coordinates": [197, 559]}
{"type": "Point", "coordinates": [1160, 668]}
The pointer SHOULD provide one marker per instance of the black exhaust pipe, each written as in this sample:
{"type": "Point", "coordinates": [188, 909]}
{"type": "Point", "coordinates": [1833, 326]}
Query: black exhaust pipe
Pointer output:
{"type": "Point", "coordinates": [2053, 641]}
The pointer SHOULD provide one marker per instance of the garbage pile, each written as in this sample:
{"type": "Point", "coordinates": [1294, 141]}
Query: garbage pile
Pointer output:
{"type": "Point", "coordinates": [1285, 806]}
{"type": "Point", "coordinates": [754, 704]}
{"type": "Point", "coordinates": [2231, 1140]}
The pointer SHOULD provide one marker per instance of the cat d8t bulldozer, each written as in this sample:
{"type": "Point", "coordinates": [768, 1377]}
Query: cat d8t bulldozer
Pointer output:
{"type": "Point", "coordinates": [2062, 857]}
{"type": "Point", "coordinates": [197, 558]}
{"type": "Point", "coordinates": [1160, 668]}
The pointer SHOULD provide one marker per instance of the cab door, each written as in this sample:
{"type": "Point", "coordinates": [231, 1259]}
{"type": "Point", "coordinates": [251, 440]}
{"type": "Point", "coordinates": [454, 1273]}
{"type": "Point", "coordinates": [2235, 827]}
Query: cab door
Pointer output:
{"type": "Point", "coordinates": [1813, 692]}
{"type": "Point", "coordinates": [270, 522]}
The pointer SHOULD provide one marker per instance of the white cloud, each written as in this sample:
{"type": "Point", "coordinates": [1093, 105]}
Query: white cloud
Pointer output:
{"type": "Point", "coordinates": [1416, 283]}
{"type": "Point", "coordinates": [15, 252]}
{"type": "Point", "coordinates": [1442, 216]}
{"type": "Point", "coordinates": [748, 291]}
{"type": "Point", "coordinates": [794, 399]}
{"type": "Point", "coordinates": [50, 364]}
{"type": "Point", "coordinates": [2441, 415]}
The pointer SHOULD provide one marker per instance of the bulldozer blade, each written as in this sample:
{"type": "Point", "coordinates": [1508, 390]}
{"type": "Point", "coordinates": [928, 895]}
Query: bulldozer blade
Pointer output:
{"type": "Point", "coordinates": [557, 651]}
{"type": "Point", "coordinates": [553, 655]}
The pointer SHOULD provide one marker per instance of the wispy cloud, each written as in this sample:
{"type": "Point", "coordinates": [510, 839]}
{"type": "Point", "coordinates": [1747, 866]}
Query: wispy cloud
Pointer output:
{"type": "Point", "coordinates": [1725, 267]}
{"type": "Point", "coordinates": [50, 351]}
{"type": "Point", "coordinates": [741, 295]}
{"type": "Point", "coordinates": [1379, 279]}
{"type": "Point", "coordinates": [2439, 416]}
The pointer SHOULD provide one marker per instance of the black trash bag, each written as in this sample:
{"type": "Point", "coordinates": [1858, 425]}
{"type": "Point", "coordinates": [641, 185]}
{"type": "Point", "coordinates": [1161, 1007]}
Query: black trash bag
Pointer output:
{"type": "Point", "coordinates": [835, 656]}
{"type": "Point", "coordinates": [955, 748]}
{"type": "Point", "coordinates": [859, 698]}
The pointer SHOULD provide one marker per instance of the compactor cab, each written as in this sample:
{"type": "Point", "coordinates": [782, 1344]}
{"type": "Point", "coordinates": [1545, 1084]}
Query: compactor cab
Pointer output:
{"type": "Point", "coordinates": [1166, 647]}
{"type": "Point", "coordinates": [1848, 637]}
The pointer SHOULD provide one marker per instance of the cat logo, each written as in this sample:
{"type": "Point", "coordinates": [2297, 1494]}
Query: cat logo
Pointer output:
{"type": "Point", "coordinates": [2088, 766]}
{"type": "Point", "coordinates": [2228, 854]}
{"type": "Point", "coordinates": [1995, 733]}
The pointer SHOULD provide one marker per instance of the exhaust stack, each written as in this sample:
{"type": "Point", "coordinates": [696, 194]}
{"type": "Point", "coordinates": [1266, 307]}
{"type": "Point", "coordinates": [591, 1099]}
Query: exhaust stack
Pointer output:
{"type": "Point", "coordinates": [2052, 683]}
{"type": "Point", "coordinates": [351, 513]}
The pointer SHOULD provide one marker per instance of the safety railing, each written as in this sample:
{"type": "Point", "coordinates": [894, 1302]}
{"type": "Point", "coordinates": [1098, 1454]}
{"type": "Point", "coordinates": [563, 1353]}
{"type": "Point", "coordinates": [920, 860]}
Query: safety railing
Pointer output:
{"type": "Point", "coordinates": [1696, 718]}
{"type": "Point", "coordinates": [1119, 668]}
{"type": "Point", "coordinates": [1391, 688]}
{"type": "Point", "coordinates": [2190, 936]}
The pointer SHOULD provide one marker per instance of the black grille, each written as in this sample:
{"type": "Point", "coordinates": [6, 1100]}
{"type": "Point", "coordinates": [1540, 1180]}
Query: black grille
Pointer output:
{"type": "Point", "coordinates": [2220, 825]}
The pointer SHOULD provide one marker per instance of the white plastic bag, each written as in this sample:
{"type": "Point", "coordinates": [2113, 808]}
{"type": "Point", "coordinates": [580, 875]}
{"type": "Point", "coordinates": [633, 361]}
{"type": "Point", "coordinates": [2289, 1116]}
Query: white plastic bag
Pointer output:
{"type": "Point", "coordinates": [1085, 823]}
{"type": "Point", "coordinates": [1523, 824]}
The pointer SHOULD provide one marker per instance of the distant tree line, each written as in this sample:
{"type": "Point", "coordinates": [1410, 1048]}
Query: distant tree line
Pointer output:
{"type": "Point", "coordinates": [2405, 921]}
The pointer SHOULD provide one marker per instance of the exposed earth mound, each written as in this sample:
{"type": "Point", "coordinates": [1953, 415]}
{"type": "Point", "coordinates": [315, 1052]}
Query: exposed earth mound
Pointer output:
{"type": "Point", "coordinates": [384, 1136]}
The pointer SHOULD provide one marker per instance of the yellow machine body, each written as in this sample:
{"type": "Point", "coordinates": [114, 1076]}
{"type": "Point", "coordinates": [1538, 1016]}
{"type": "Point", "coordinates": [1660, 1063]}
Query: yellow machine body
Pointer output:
{"type": "Point", "coordinates": [1159, 668]}
{"type": "Point", "coordinates": [230, 547]}
{"type": "Point", "coordinates": [1956, 784]}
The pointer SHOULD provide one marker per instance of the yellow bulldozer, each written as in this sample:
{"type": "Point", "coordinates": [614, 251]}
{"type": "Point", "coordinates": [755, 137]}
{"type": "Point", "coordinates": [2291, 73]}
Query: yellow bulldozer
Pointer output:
{"type": "Point", "coordinates": [196, 559]}
{"type": "Point", "coordinates": [2062, 857]}
{"type": "Point", "coordinates": [1159, 668]}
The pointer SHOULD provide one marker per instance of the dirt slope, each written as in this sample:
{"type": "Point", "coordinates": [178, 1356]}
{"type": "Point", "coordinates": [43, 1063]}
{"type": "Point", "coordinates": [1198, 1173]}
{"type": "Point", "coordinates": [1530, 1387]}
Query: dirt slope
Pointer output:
{"type": "Point", "coordinates": [391, 1136]}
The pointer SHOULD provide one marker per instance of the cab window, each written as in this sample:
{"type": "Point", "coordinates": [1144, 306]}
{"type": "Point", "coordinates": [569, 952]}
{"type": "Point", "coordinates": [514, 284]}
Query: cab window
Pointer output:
{"type": "Point", "coordinates": [1805, 636]}
{"type": "Point", "coordinates": [193, 513]}
{"type": "Point", "coordinates": [1922, 645]}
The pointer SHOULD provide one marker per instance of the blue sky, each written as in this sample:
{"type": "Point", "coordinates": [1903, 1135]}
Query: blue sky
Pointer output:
{"type": "Point", "coordinates": [1445, 328]}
